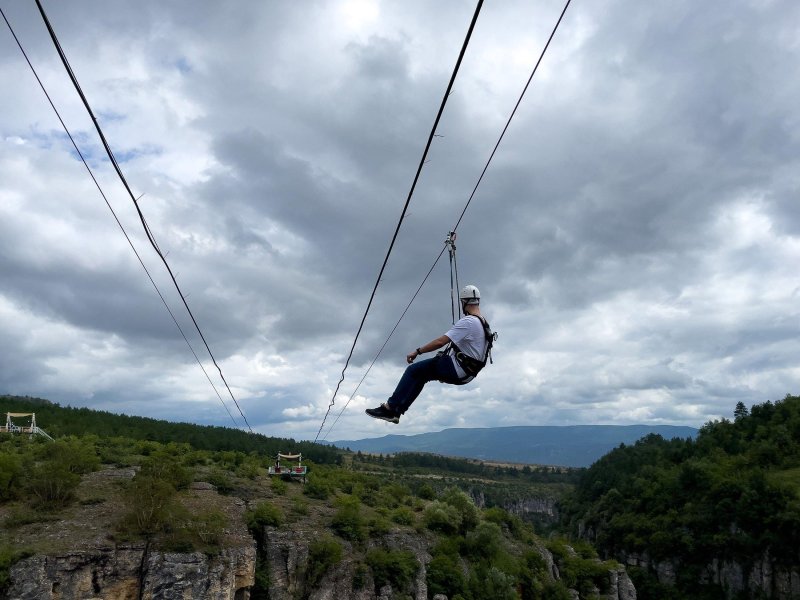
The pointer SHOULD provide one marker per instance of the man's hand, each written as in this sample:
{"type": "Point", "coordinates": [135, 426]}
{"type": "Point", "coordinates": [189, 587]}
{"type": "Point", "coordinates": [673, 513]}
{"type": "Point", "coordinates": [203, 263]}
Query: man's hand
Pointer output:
{"type": "Point", "coordinates": [411, 356]}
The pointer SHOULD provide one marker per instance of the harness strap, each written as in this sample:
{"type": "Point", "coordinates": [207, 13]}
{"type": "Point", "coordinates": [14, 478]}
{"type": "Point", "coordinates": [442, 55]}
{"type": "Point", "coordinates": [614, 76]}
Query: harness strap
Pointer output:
{"type": "Point", "coordinates": [472, 366]}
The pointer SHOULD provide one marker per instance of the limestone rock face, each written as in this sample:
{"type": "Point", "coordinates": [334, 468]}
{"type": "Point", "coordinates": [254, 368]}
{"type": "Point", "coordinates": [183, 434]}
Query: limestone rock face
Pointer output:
{"type": "Point", "coordinates": [287, 556]}
{"type": "Point", "coordinates": [621, 587]}
{"type": "Point", "coordinates": [533, 506]}
{"type": "Point", "coordinates": [134, 573]}
{"type": "Point", "coordinates": [102, 572]}
{"type": "Point", "coordinates": [228, 576]}
{"type": "Point", "coordinates": [762, 578]}
{"type": "Point", "coordinates": [522, 507]}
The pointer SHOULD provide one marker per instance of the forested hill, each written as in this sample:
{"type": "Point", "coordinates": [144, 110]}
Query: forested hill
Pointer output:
{"type": "Point", "coordinates": [569, 446]}
{"type": "Point", "coordinates": [60, 421]}
{"type": "Point", "coordinates": [720, 512]}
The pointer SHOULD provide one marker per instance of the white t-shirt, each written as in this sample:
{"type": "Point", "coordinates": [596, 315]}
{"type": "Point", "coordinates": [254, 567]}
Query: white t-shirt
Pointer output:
{"type": "Point", "coordinates": [468, 335]}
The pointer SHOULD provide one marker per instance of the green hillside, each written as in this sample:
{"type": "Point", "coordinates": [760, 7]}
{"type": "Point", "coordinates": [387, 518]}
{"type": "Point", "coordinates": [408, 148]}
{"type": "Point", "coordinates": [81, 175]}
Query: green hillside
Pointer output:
{"type": "Point", "coordinates": [731, 496]}
{"type": "Point", "coordinates": [109, 480]}
{"type": "Point", "coordinates": [61, 421]}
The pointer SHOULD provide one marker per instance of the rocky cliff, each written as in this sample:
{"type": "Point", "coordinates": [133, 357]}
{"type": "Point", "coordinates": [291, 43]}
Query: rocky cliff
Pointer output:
{"type": "Point", "coordinates": [287, 553]}
{"type": "Point", "coordinates": [134, 572]}
{"type": "Point", "coordinates": [540, 506]}
{"type": "Point", "coordinates": [78, 558]}
{"type": "Point", "coordinates": [763, 578]}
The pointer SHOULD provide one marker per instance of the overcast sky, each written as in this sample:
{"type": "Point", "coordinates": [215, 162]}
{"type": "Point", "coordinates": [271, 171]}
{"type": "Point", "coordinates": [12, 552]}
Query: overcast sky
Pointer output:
{"type": "Point", "coordinates": [636, 238]}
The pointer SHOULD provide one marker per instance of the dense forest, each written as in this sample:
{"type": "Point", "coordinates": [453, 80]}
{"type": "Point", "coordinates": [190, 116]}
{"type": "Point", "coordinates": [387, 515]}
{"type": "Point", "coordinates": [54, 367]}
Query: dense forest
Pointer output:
{"type": "Point", "coordinates": [62, 421]}
{"type": "Point", "coordinates": [732, 495]}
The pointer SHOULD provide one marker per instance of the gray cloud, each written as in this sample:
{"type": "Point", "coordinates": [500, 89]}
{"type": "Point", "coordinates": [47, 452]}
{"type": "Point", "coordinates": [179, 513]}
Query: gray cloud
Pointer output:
{"type": "Point", "coordinates": [634, 237]}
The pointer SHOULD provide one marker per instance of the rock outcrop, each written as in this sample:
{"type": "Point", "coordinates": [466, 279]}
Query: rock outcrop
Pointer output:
{"type": "Point", "coordinates": [522, 507]}
{"type": "Point", "coordinates": [762, 578]}
{"type": "Point", "coordinates": [287, 555]}
{"type": "Point", "coordinates": [134, 573]}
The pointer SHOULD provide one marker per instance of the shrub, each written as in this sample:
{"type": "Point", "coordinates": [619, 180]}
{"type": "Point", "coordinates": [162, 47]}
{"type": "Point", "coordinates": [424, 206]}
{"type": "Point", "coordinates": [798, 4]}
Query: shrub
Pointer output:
{"type": "Point", "coordinates": [395, 567]}
{"type": "Point", "coordinates": [378, 526]}
{"type": "Point", "coordinates": [10, 474]}
{"type": "Point", "coordinates": [558, 591]}
{"type": "Point", "coordinates": [149, 500]}
{"type": "Point", "coordinates": [504, 518]}
{"type": "Point", "coordinates": [470, 516]}
{"type": "Point", "coordinates": [208, 527]}
{"type": "Point", "coordinates": [322, 555]}
{"type": "Point", "coordinates": [164, 466]}
{"type": "Point", "coordinates": [444, 576]}
{"type": "Point", "coordinates": [484, 542]}
{"type": "Point", "coordinates": [51, 485]}
{"type": "Point", "coordinates": [25, 515]}
{"type": "Point", "coordinates": [317, 488]}
{"type": "Point", "coordinates": [7, 558]}
{"type": "Point", "coordinates": [577, 572]}
{"type": "Point", "coordinates": [249, 469]}
{"type": "Point", "coordinates": [348, 522]}
{"type": "Point", "coordinates": [442, 517]}
{"type": "Point", "coordinates": [360, 572]}
{"type": "Point", "coordinates": [261, 586]}
{"type": "Point", "coordinates": [299, 506]}
{"type": "Point", "coordinates": [279, 486]}
{"type": "Point", "coordinates": [220, 480]}
{"type": "Point", "coordinates": [393, 494]}
{"type": "Point", "coordinates": [265, 514]}
{"type": "Point", "coordinates": [492, 584]}
{"type": "Point", "coordinates": [403, 516]}
{"type": "Point", "coordinates": [366, 491]}
{"type": "Point", "coordinates": [426, 492]}
{"type": "Point", "coordinates": [74, 454]}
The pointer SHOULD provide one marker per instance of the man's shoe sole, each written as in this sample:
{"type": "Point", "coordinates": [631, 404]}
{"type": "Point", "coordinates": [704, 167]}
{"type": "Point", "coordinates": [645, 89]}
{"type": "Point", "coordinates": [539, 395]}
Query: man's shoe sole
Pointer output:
{"type": "Point", "coordinates": [394, 420]}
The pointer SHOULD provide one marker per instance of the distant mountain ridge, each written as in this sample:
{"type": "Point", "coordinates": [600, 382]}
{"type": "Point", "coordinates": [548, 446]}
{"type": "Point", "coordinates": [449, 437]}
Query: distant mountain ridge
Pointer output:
{"type": "Point", "coordinates": [569, 446]}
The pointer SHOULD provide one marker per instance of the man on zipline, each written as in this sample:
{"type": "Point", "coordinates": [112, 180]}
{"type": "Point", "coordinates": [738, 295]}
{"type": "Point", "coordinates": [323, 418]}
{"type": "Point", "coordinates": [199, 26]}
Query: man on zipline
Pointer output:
{"type": "Point", "coordinates": [470, 343]}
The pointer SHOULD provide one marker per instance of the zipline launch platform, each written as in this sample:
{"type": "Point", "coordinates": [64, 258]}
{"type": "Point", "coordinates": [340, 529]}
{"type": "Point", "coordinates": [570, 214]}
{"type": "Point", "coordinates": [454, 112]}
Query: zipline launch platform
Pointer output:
{"type": "Point", "coordinates": [31, 428]}
{"type": "Point", "coordinates": [298, 470]}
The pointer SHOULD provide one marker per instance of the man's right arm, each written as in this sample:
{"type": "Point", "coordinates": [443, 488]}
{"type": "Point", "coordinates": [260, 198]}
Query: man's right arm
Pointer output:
{"type": "Point", "coordinates": [442, 340]}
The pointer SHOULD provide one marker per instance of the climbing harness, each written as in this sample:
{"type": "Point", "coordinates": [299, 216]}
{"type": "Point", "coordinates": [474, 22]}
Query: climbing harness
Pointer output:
{"type": "Point", "coordinates": [472, 366]}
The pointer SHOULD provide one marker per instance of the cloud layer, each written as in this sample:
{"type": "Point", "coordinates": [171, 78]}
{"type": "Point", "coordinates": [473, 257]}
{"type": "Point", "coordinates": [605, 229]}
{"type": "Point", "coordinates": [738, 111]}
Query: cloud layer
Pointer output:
{"type": "Point", "coordinates": [635, 238]}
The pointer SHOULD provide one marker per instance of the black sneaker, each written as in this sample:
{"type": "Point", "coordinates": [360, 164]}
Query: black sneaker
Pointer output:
{"type": "Point", "coordinates": [384, 412]}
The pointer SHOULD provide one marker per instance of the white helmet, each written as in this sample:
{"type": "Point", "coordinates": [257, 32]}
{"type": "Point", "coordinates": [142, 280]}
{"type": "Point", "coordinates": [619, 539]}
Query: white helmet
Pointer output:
{"type": "Point", "coordinates": [470, 294]}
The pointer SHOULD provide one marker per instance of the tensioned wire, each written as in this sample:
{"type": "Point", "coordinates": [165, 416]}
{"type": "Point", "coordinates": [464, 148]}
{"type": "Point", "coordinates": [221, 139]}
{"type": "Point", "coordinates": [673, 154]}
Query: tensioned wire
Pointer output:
{"type": "Point", "coordinates": [405, 207]}
{"type": "Point", "coordinates": [108, 204]}
{"type": "Point", "coordinates": [463, 212]}
{"type": "Point", "coordinates": [150, 236]}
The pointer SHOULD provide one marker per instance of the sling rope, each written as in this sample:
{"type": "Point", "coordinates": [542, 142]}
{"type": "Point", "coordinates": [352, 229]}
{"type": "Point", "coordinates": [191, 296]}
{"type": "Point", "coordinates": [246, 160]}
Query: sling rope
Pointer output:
{"type": "Point", "coordinates": [450, 243]}
{"type": "Point", "coordinates": [471, 196]}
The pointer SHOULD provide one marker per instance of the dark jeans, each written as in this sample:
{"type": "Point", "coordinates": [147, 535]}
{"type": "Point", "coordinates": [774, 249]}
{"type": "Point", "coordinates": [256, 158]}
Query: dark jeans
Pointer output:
{"type": "Point", "coordinates": [416, 375]}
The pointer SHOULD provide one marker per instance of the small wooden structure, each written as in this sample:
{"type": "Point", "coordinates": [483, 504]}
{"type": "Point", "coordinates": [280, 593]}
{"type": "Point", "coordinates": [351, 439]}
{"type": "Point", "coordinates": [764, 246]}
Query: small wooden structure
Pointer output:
{"type": "Point", "coordinates": [298, 470]}
{"type": "Point", "coordinates": [31, 428]}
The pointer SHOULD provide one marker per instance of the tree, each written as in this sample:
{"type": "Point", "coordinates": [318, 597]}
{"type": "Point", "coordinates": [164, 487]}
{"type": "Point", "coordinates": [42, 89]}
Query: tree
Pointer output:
{"type": "Point", "coordinates": [740, 411]}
